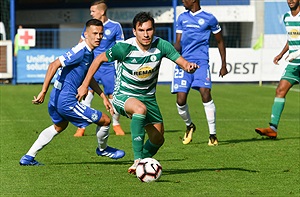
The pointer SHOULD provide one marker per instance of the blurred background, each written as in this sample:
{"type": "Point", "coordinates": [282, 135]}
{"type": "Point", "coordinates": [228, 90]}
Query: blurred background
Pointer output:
{"type": "Point", "coordinates": [252, 29]}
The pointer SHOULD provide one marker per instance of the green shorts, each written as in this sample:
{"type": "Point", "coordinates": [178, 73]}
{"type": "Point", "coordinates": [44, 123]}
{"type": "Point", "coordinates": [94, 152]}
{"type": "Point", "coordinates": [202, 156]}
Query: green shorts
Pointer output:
{"type": "Point", "coordinates": [153, 115]}
{"type": "Point", "coordinates": [292, 74]}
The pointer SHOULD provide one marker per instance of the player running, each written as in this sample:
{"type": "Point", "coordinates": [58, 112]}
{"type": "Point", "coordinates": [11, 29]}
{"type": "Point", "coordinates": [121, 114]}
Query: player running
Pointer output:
{"type": "Point", "coordinates": [137, 74]}
{"type": "Point", "coordinates": [63, 107]}
{"type": "Point", "coordinates": [291, 75]}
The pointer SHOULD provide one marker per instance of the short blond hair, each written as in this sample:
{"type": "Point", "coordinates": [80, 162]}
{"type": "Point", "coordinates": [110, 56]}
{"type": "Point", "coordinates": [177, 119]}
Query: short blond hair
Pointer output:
{"type": "Point", "coordinates": [101, 5]}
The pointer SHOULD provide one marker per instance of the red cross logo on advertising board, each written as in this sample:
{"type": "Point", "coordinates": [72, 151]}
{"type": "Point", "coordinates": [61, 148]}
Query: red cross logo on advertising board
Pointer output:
{"type": "Point", "coordinates": [26, 37]}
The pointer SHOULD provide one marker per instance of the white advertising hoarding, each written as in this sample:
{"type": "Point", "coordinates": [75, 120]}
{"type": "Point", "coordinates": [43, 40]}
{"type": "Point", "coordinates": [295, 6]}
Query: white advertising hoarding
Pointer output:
{"type": "Point", "coordinates": [244, 65]}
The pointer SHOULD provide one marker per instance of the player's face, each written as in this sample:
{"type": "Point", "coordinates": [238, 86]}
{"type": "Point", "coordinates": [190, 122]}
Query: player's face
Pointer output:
{"type": "Point", "coordinates": [95, 12]}
{"type": "Point", "coordinates": [93, 35]}
{"type": "Point", "coordinates": [187, 4]}
{"type": "Point", "coordinates": [293, 4]}
{"type": "Point", "coordinates": [144, 33]}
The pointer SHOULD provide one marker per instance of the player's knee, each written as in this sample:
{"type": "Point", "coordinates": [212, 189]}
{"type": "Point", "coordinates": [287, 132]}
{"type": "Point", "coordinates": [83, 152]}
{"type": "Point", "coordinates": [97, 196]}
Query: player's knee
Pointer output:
{"type": "Point", "coordinates": [104, 120]}
{"type": "Point", "coordinates": [140, 109]}
{"type": "Point", "coordinates": [181, 101]}
{"type": "Point", "coordinates": [157, 139]}
{"type": "Point", "coordinates": [61, 126]}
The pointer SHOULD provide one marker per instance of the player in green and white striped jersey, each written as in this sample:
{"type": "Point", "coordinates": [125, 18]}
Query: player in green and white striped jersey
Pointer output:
{"type": "Point", "coordinates": [291, 75]}
{"type": "Point", "coordinates": [137, 74]}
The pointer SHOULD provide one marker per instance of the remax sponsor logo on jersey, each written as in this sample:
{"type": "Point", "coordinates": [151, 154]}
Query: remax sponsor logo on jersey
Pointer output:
{"type": "Point", "coordinates": [294, 33]}
{"type": "Point", "coordinates": [144, 72]}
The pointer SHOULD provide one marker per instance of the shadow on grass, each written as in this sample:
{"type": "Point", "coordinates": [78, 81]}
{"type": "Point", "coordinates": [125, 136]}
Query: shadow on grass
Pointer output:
{"type": "Point", "coordinates": [95, 163]}
{"type": "Point", "coordinates": [174, 131]}
{"type": "Point", "coordinates": [184, 171]}
{"type": "Point", "coordinates": [234, 141]}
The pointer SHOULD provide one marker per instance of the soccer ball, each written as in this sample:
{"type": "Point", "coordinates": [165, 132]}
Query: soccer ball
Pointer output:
{"type": "Point", "coordinates": [148, 170]}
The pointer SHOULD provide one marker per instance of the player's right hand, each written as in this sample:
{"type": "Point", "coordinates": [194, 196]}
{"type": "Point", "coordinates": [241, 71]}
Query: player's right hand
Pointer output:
{"type": "Point", "coordinates": [192, 67]}
{"type": "Point", "coordinates": [81, 92]}
{"type": "Point", "coordinates": [39, 99]}
{"type": "Point", "coordinates": [276, 59]}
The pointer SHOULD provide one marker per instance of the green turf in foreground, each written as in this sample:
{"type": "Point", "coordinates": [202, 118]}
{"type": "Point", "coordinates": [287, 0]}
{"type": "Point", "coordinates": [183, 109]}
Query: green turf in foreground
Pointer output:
{"type": "Point", "coordinates": [244, 164]}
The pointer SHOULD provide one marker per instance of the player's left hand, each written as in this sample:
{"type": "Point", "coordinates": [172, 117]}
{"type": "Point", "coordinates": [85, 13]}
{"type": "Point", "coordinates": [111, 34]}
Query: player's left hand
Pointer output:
{"type": "Point", "coordinates": [108, 106]}
{"type": "Point", "coordinates": [223, 71]}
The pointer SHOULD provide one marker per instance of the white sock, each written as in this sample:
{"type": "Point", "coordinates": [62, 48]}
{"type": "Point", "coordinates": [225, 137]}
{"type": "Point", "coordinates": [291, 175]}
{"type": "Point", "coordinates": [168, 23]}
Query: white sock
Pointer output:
{"type": "Point", "coordinates": [88, 99]}
{"type": "Point", "coordinates": [44, 138]}
{"type": "Point", "coordinates": [210, 111]}
{"type": "Point", "coordinates": [102, 134]}
{"type": "Point", "coordinates": [184, 113]}
{"type": "Point", "coordinates": [116, 116]}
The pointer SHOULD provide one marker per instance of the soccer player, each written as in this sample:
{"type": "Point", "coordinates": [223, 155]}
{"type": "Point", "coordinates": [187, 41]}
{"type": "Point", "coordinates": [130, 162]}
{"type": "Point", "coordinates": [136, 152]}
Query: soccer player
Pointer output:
{"type": "Point", "coordinates": [63, 107]}
{"type": "Point", "coordinates": [137, 73]}
{"type": "Point", "coordinates": [291, 75]}
{"type": "Point", "coordinates": [193, 30]}
{"type": "Point", "coordinates": [106, 74]}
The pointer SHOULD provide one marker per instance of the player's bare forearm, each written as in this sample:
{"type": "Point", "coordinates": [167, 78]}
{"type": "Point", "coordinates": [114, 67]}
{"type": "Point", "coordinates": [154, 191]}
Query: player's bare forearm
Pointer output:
{"type": "Point", "coordinates": [279, 56]}
{"type": "Point", "coordinates": [185, 65]}
{"type": "Point", "coordinates": [95, 86]}
{"type": "Point", "coordinates": [53, 67]}
{"type": "Point", "coordinates": [93, 68]}
{"type": "Point", "coordinates": [83, 89]}
{"type": "Point", "coordinates": [49, 75]}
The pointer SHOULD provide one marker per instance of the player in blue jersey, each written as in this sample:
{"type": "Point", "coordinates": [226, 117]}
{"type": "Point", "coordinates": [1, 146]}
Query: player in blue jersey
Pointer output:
{"type": "Point", "coordinates": [193, 30]}
{"type": "Point", "coordinates": [137, 74]}
{"type": "Point", "coordinates": [291, 75]}
{"type": "Point", "coordinates": [113, 33]}
{"type": "Point", "coordinates": [63, 107]}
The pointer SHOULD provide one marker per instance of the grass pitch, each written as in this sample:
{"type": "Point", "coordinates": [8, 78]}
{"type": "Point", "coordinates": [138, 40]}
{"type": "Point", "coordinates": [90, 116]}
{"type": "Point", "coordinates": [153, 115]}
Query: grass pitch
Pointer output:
{"type": "Point", "coordinates": [244, 163]}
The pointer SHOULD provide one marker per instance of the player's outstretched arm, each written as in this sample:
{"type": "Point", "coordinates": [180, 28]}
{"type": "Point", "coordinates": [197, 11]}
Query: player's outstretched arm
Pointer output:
{"type": "Point", "coordinates": [83, 89]}
{"type": "Point", "coordinates": [185, 65]}
{"type": "Point", "coordinates": [49, 75]}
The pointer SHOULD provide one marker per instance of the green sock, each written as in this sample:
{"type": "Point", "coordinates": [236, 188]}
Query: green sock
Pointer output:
{"type": "Point", "coordinates": [277, 109]}
{"type": "Point", "coordinates": [137, 134]}
{"type": "Point", "coordinates": [150, 149]}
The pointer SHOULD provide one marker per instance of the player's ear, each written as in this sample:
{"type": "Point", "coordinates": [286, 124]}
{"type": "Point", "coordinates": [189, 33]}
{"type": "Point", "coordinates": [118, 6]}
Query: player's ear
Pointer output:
{"type": "Point", "coordinates": [101, 13]}
{"type": "Point", "coordinates": [134, 32]}
{"type": "Point", "coordinates": [85, 34]}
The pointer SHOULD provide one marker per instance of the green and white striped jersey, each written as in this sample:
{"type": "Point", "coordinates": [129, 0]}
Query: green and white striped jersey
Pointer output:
{"type": "Point", "coordinates": [292, 25]}
{"type": "Point", "coordinates": [137, 70]}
